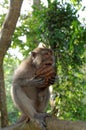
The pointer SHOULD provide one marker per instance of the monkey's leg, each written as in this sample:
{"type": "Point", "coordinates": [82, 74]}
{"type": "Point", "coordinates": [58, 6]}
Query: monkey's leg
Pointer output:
{"type": "Point", "coordinates": [26, 105]}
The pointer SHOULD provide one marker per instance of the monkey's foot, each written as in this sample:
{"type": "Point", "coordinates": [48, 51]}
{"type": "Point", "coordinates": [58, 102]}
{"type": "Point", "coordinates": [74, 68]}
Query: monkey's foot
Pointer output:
{"type": "Point", "coordinates": [40, 119]}
{"type": "Point", "coordinates": [23, 118]}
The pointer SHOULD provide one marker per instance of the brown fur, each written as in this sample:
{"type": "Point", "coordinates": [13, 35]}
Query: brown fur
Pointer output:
{"type": "Point", "coordinates": [30, 91]}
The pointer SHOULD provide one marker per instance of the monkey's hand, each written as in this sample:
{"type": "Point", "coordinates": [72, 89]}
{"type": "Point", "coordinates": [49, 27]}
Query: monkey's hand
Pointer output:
{"type": "Point", "coordinates": [37, 82]}
{"type": "Point", "coordinates": [40, 119]}
{"type": "Point", "coordinates": [53, 79]}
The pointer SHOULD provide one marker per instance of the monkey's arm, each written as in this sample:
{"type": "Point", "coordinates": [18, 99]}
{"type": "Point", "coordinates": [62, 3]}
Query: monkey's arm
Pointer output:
{"type": "Point", "coordinates": [29, 82]}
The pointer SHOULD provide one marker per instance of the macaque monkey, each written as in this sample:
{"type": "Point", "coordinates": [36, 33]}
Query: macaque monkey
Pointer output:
{"type": "Point", "coordinates": [31, 81]}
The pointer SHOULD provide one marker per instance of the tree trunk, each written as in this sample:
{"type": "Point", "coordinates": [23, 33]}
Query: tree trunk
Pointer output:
{"type": "Point", "coordinates": [3, 107]}
{"type": "Point", "coordinates": [51, 124]}
{"type": "Point", "coordinates": [5, 42]}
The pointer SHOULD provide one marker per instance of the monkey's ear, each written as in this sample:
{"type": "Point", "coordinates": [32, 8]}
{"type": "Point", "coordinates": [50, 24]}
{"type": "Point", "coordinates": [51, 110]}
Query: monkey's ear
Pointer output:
{"type": "Point", "coordinates": [33, 54]}
{"type": "Point", "coordinates": [41, 45]}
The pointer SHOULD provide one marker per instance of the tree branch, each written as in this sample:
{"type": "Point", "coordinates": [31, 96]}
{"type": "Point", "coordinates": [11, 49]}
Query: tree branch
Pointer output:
{"type": "Point", "coordinates": [9, 26]}
{"type": "Point", "coordinates": [52, 124]}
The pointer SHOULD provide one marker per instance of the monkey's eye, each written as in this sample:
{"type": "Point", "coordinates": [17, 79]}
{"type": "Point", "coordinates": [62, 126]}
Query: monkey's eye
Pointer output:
{"type": "Point", "coordinates": [34, 54]}
{"type": "Point", "coordinates": [49, 53]}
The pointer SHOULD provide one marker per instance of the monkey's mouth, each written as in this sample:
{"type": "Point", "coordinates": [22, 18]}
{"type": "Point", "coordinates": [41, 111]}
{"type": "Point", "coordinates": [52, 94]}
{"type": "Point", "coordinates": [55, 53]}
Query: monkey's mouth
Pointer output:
{"type": "Point", "coordinates": [48, 63]}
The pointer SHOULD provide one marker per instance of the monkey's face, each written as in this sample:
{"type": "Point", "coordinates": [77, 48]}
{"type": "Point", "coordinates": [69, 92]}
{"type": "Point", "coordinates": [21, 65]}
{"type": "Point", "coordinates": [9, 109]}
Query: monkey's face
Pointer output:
{"type": "Point", "coordinates": [42, 56]}
{"type": "Point", "coordinates": [48, 57]}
